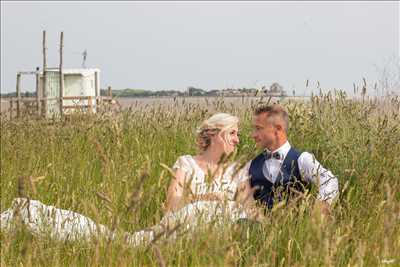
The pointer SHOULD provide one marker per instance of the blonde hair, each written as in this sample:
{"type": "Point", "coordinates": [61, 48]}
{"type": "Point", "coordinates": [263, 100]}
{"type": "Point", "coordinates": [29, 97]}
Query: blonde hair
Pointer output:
{"type": "Point", "coordinates": [212, 126]}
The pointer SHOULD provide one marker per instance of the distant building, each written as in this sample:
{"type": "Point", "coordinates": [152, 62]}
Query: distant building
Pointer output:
{"type": "Point", "coordinates": [275, 90]}
{"type": "Point", "coordinates": [193, 91]}
{"type": "Point", "coordinates": [214, 92]}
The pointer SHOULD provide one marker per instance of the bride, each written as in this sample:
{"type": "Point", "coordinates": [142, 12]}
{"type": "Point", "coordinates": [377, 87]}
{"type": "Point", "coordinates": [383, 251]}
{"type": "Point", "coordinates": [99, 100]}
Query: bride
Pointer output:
{"type": "Point", "coordinates": [204, 189]}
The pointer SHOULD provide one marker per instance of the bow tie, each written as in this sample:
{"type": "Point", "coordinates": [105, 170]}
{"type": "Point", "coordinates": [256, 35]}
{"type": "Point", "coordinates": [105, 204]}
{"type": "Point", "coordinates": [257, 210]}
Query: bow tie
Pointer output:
{"type": "Point", "coordinates": [268, 155]}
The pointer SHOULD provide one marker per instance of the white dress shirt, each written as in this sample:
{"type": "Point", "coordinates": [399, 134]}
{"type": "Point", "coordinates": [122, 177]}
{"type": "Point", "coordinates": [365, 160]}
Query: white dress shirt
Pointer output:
{"type": "Point", "coordinates": [310, 170]}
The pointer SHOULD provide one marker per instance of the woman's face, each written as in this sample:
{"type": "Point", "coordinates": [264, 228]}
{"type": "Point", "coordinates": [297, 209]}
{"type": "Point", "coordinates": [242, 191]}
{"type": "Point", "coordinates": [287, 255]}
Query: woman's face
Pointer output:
{"type": "Point", "coordinates": [227, 140]}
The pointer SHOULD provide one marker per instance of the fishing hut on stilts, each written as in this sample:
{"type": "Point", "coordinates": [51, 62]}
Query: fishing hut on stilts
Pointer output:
{"type": "Point", "coordinates": [60, 91]}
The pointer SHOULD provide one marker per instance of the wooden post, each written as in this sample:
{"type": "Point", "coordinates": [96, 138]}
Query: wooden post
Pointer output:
{"type": "Point", "coordinates": [44, 83]}
{"type": "Point", "coordinates": [61, 74]}
{"type": "Point", "coordinates": [90, 104]}
{"type": "Point", "coordinates": [38, 93]}
{"type": "Point", "coordinates": [11, 108]}
{"type": "Point", "coordinates": [96, 88]}
{"type": "Point", "coordinates": [109, 92]}
{"type": "Point", "coordinates": [18, 89]}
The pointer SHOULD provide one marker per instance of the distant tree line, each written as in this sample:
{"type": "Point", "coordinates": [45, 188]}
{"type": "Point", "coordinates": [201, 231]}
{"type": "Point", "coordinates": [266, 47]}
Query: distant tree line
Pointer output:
{"type": "Point", "coordinates": [274, 90]}
{"type": "Point", "coordinates": [141, 93]}
{"type": "Point", "coordinates": [23, 94]}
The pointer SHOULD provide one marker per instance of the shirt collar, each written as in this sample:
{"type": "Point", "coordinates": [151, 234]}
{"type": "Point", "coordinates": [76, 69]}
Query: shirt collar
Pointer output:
{"type": "Point", "coordinates": [283, 149]}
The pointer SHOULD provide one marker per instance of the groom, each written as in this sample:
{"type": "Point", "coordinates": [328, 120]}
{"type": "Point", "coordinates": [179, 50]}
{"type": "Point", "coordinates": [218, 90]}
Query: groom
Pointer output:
{"type": "Point", "coordinates": [280, 169]}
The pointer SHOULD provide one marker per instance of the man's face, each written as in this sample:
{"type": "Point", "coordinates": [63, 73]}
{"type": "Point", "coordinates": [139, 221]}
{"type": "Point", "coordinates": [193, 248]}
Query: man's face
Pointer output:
{"type": "Point", "coordinates": [264, 132]}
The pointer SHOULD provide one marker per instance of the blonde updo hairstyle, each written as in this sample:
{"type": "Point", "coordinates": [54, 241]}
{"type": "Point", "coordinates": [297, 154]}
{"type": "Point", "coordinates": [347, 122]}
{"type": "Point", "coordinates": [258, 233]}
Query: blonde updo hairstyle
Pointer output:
{"type": "Point", "coordinates": [212, 126]}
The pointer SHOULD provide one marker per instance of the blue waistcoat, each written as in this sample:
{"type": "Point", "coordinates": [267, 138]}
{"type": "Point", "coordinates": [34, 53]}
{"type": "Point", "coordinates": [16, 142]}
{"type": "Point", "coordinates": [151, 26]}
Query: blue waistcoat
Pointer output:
{"type": "Point", "coordinates": [288, 178]}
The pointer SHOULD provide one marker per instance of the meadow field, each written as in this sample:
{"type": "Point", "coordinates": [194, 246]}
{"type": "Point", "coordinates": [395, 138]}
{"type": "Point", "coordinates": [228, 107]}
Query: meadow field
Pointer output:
{"type": "Point", "coordinates": [111, 168]}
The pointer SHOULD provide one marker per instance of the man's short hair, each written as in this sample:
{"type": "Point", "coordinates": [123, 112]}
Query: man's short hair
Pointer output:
{"type": "Point", "coordinates": [274, 111]}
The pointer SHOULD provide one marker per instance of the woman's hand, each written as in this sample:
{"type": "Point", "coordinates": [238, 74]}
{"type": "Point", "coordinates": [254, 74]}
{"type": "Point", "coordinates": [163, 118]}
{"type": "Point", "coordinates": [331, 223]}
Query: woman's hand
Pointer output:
{"type": "Point", "coordinates": [245, 192]}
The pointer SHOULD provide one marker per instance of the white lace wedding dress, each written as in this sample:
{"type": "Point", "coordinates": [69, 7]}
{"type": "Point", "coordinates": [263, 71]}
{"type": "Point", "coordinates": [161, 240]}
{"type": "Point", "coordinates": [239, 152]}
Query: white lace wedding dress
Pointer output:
{"type": "Point", "coordinates": [59, 224]}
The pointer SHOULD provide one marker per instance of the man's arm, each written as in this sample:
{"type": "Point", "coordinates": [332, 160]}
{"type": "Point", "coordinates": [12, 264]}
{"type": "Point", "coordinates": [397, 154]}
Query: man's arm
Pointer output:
{"type": "Point", "coordinates": [313, 171]}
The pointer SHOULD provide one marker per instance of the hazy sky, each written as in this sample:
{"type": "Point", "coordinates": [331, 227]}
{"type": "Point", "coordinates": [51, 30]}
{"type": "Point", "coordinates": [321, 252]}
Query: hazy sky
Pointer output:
{"type": "Point", "coordinates": [210, 45]}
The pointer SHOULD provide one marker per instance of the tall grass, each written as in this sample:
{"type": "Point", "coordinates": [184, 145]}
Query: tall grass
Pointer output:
{"type": "Point", "coordinates": [109, 168]}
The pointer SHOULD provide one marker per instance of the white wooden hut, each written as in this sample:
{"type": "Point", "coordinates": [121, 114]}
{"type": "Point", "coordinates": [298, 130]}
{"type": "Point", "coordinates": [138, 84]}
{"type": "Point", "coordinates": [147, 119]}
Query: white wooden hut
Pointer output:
{"type": "Point", "coordinates": [81, 90]}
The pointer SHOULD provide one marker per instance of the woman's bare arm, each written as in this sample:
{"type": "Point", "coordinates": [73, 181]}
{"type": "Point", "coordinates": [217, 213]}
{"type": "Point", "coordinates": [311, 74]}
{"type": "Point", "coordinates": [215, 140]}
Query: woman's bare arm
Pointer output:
{"type": "Point", "coordinates": [175, 197]}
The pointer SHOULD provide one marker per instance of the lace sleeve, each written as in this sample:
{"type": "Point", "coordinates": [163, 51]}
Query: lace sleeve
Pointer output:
{"type": "Point", "coordinates": [182, 164]}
